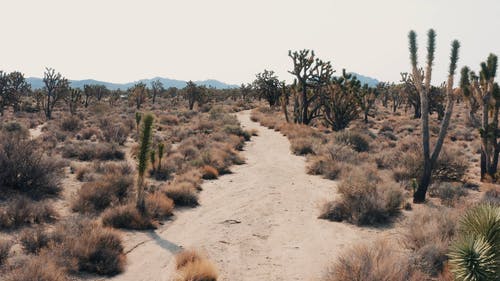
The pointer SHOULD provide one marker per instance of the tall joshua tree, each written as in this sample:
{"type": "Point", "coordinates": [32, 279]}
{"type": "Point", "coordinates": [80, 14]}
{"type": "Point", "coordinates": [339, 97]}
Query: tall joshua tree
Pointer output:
{"type": "Point", "coordinates": [484, 92]}
{"type": "Point", "coordinates": [144, 146]}
{"type": "Point", "coordinates": [56, 86]}
{"type": "Point", "coordinates": [423, 86]}
{"type": "Point", "coordinates": [156, 89]}
{"type": "Point", "coordinates": [312, 74]}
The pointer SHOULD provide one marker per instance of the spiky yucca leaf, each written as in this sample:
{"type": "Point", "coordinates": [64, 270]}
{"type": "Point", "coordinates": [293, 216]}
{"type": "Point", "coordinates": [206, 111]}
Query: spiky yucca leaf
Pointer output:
{"type": "Point", "coordinates": [483, 221]}
{"type": "Point", "coordinates": [455, 45]}
{"type": "Point", "coordinates": [431, 46]}
{"type": "Point", "coordinates": [412, 36]}
{"type": "Point", "coordinates": [145, 142]}
{"type": "Point", "coordinates": [473, 259]}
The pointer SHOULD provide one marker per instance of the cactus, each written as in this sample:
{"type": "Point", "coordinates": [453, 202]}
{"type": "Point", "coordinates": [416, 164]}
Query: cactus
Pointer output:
{"type": "Point", "coordinates": [161, 149]}
{"type": "Point", "coordinates": [152, 157]}
{"type": "Point", "coordinates": [138, 117]}
{"type": "Point", "coordinates": [422, 82]}
{"type": "Point", "coordinates": [144, 146]}
{"type": "Point", "coordinates": [475, 255]}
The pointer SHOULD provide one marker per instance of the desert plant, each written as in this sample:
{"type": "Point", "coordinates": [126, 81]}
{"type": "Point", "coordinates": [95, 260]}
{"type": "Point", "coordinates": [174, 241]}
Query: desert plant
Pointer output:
{"type": "Point", "coordinates": [192, 266]}
{"type": "Point", "coordinates": [33, 240]}
{"type": "Point", "coordinates": [56, 87]}
{"type": "Point", "coordinates": [423, 87]}
{"type": "Point", "coordinates": [484, 92]}
{"type": "Point", "coordinates": [142, 159]}
{"type": "Point", "coordinates": [476, 254]}
{"type": "Point", "coordinates": [21, 210]}
{"type": "Point", "coordinates": [5, 246]}
{"type": "Point", "coordinates": [127, 217]}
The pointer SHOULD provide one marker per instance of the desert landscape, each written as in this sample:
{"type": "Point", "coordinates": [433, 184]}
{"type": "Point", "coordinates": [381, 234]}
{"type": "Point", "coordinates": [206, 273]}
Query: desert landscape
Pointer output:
{"type": "Point", "coordinates": [310, 172]}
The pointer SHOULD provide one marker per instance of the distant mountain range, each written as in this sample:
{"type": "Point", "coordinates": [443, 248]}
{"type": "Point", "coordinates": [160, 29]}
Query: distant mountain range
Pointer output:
{"type": "Point", "coordinates": [37, 83]}
{"type": "Point", "coordinates": [372, 82]}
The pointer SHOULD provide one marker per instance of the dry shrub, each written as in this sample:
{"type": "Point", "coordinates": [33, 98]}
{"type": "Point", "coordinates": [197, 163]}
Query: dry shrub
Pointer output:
{"type": "Point", "coordinates": [191, 266]}
{"type": "Point", "coordinates": [71, 124]}
{"type": "Point", "coordinates": [85, 151]}
{"type": "Point", "coordinates": [38, 268]}
{"type": "Point", "coordinates": [378, 262]}
{"type": "Point", "coordinates": [21, 210]}
{"type": "Point", "coordinates": [209, 172]}
{"type": "Point", "coordinates": [159, 206]}
{"type": "Point", "coordinates": [448, 193]}
{"type": "Point", "coordinates": [428, 234]}
{"type": "Point", "coordinates": [127, 217]}
{"type": "Point", "coordinates": [221, 157]}
{"type": "Point", "coordinates": [89, 133]}
{"type": "Point", "coordinates": [26, 169]}
{"type": "Point", "coordinates": [302, 146]}
{"type": "Point", "coordinates": [169, 119]}
{"type": "Point", "coordinates": [365, 200]}
{"type": "Point", "coordinates": [321, 165]}
{"type": "Point", "coordinates": [112, 131]}
{"type": "Point", "coordinates": [183, 193]}
{"type": "Point", "coordinates": [492, 195]}
{"type": "Point", "coordinates": [5, 246]}
{"type": "Point", "coordinates": [33, 240]}
{"type": "Point", "coordinates": [194, 177]}
{"type": "Point", "coordinates": [357, 141]}
{"type": "Point", "coordinates": [94, 197]}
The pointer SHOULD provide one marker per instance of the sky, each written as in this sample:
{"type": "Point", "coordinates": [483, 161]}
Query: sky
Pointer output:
{"type": "Point", "coordinates": [232, 40]}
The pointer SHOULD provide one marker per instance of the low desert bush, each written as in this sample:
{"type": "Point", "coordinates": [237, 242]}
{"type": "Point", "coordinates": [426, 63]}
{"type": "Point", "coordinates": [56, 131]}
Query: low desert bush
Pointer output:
{"type": "Point", "coordinates": [320, 165]}
{"type": "Point", "coordinates": [183, 193]}
{"type": "Point", "coordinates": [127, 217]}
{"type": "Point", "coordinates": [357, 141]}
{"type": "Point", "coordinates": [428, 233]}
{"type": "Point", "coordinates": [448, 193]}
{"type": "Point", "coordinates": [94, 197]}
{"type": "Point", "coordinates": [33, 240]}
{"type": "Point", "coordinates": [38, 268]}
{"type": "Point", "coordinates": [71, 124]}
{"type": "Point", "coordinates": [365, 200]}
{"type": "Point", "coordinates": [158, 205]}
{"type": "Point", "coordinates": [21, 210]}
{"type": "Point", "coordinates": [114, 132]}
{"type": "Point", "coordinates": [26, 169]}
{"type": "Point", "coordinates": [5, 246]}
{"type": "Point", "coordinates": [378, 262]}
{"type": "Point", "coordinates": [492, 195]}
{"type": "Point", "coordinates": [191, 266]}
{"type": "Point", "coordinates": [85, 151]}
{"type": "Point", "coordinates": [209, 172]}
{"type": "Point", "coordinates": [89, 133]}
{"type": "Point", "coordinates": [302, 146]}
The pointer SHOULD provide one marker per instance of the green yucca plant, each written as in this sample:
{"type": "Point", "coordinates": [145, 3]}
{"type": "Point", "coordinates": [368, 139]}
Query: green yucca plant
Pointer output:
{"type": "Point", "coordinates": [138, 117]}
{"type": "Point", "coordinates": [161, 149]}
{"type": "Point", "coordinates": [144, 145]}
{"type": "Point", "coordinates": [475, 256]}
{"type": "Point", "coordinates": [152, 157]}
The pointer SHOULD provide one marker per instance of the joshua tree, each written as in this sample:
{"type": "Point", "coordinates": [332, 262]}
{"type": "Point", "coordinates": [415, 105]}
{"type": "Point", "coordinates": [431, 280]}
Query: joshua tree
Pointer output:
{"type": "Point", "coordinates": [367, 98]}
{"type": "Point", "coordinates": [484, 92]}
{"type": "Point", "coordinates": [423, 86]}
{"type": "Point", "coordinates": [73, 99]}
{"type": "Point", "coordinates": [312, 75]}
{"type": "Point", "coordinates": [138, 93]}
{"type": "Point", "coordinates": [268, 84]}
{"type": "Point", "coordinates": [341, 104]}
{"type": "Point", "coordinates": [156, 89]}
{"type": "Point", "coordinates": [138, 117]}
{"type": "Point", "coordinates": [142, 158]}
{"type": "Point", "coordinates": [4, 91]}
{"type": "Point", "coordinates": [193, 94]}
{"type": "Point", "coordinates": [411, 93]}
{"type": "Point", "coordinates": [18, 88]}
{"type": "Point", "coordinates": [56, 86]}
{"type": "Point", "coordinates": [245, 91]}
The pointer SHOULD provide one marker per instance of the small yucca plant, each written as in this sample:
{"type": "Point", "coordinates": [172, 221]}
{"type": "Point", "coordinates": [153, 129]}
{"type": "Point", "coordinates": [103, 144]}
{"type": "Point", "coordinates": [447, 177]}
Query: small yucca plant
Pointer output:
{"type": "Point", "coordinates": [475, 256]}
{"type": "Point", "coordinates": [144, 145]}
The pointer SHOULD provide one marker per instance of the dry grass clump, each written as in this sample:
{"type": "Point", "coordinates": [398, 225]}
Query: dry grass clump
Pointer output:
{"type": "Point", "coordinates": [85, 151]}
{"type": "Point", "coordinates": [357, 141]}
{"type": "Point", "coordinates": [209, 172]}
{"type": "Point", "coordinates": [24, 168]}
{"type": "Point", "coordinates": [38, 268]}
{"type": "Point", "coordinates": [90, 133]}
{"type": "Point", "coordinates": [448, 193]}
{"type": "Point", "coordinates": [302, 146]}
{"type": "Point", "coordinates": [94, 197]}
{"type": "Point", "coordinates": [492, 195]}
{"type": "Point", "coordinates": [158, 205]}
{"type": "Point", "coordinates": [428, 234]}
{"type": "Point", "coordinates": [378, 262]}
{"type": "Point", "coordinates": [183, 193]}
{"type": "Point", "coordinates": [21, 210]}
{"type": "Point", "coordinates": [71, 124]}
{"type": "Point", "coordinates": [33, 240]}
{"type": "Point", "coordinates": [127, 217]}
{"type": "Point", "coordinates": [365, 200]}
{"type": "Point", "coordinates": [321, 165]}
{"type": "Point", "coordinates": [114, 131]}
{"type": "Point", "coordinates": [5, 246]}
{"type": "Point", "coordinates": [192, 266]}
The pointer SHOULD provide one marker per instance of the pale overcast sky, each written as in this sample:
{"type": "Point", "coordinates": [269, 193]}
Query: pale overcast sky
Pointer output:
{"type": "Point", "coordinates": [231, 40]}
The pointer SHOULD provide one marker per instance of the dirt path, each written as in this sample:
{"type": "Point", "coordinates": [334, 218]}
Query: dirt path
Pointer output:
{"type": "Point", "coordinates": [259, 223]}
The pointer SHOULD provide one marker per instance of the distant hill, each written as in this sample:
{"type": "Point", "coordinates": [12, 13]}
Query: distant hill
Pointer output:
{"type": "Point", "coordinates": [37, 83]}
{"type": "Point", "coordinates": [372, 82]}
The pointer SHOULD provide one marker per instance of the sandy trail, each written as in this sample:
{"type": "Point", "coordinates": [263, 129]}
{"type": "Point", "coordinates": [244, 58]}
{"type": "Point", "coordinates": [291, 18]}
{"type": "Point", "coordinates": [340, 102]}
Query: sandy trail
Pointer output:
{"type": "Point", "coordinates": [258, 223]}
